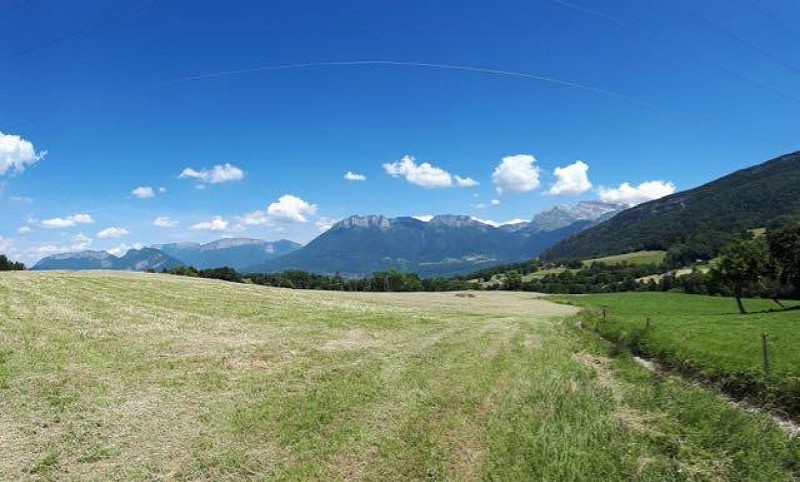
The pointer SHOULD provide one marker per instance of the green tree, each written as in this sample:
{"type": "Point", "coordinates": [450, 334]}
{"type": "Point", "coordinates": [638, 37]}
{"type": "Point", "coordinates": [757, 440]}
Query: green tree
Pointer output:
{"type": "Point", "coordinates": [784, 249]}
{"type": "Point", "coordinates": [742, 266]}
{"type": "Point", "coordinates": [513, 281]}
{"type": "Point", "coordinates": [8, 265]}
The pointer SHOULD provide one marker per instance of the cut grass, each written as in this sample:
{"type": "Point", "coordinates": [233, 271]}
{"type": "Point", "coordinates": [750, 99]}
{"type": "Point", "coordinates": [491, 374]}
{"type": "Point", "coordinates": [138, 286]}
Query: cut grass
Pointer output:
{"type": "Point", "coordinates": [707, 337]}
{"type": "Point", "coordinates": [125, 376]}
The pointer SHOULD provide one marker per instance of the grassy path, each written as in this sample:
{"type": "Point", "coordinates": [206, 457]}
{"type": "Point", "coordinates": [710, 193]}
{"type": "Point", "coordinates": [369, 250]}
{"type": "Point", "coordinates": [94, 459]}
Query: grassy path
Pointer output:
{"type": "Point", "coordinates": [115, 376]}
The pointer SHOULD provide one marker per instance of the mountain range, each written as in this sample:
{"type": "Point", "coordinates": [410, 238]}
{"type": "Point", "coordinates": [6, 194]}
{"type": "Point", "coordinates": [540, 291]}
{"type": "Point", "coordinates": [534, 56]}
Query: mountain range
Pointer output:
{"type": "Point", "coordinates": [359, 245]}
{"type": "Point", "coordinates": [236, 253]}
{"type": "Point", "coordinates": [444, 245]}
{"type": "Point", "coordinates": [134, 260]}
{"type": "Point", "coordinates": [695, 223]}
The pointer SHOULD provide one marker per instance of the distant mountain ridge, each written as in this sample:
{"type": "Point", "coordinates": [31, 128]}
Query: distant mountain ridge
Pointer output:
{"type": "Point", "coordinates": [133, 260]}
{"type": "Point", "coordinates": [442, 246]}
{"type": "Point", "coordinates": [358, 245]}
{"type": "Point", "coordinates": [237, 253]}
{"type": "Point", "coordinates": [700, 220]}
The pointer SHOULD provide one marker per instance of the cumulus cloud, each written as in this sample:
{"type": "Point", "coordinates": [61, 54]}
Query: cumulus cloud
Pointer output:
{"type": "Point", "coordinates": [255, 218]}
{"type": "Point", "coordinates": [497, 224]}
{"type": "Point", "coordinates": [465, 181]}
{"type": "Point", "coordinates": [218, 223]}
{"type": "Point", "coordinates": [80, 242]}
{"type": "Point", "coordinates": [162, 190]}
{"type": "Point", "coordinates": [67, 222]}
{"type": "Point", "coordinates": [124, 248]}
{"type": "Point", "coordinates": [632, 195]}
{"type": "Point", "coordinates": [323, 224]}
{"type": "Point", "coordinates": [352, 176]}
{"type": "Point", "coordinates": [494, 202]}
{"type": "Point", "coordinates": [571, 179]}
{"type": "Point", "coordinates": [218, 174]}
{"type": "Point", "coordinates": [291, 208]}
{"type": "Point", "coordinates": [165, 222]}
{"type": "Point", "coordinates": [143, 192]}
{"type": "Point", "coordinates": [517, 173]}
{"type": "Point", "coordinates": [425, 174]}
{"type": "Point", "coordinates": [6, 245]}
{"type": "Point", "coordinates": [24, 230]}
{"type": "Point", "coordinates": [16, 154]}
{"type": "Point", "coordinates": [485, 221]}
{"type": "Point", "coordinates": [112, 232]}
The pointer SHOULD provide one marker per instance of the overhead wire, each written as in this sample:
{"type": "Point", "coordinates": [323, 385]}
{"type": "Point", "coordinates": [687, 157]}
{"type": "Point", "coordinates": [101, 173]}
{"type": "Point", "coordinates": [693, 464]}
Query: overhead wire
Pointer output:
{"type": "Point", "coordinates": [719, 67]}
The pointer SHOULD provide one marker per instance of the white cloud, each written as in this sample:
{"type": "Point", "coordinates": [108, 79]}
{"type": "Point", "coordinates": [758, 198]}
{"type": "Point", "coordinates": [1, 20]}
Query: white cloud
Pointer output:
{"type": "Point", "coordinates": [143, 192]}
{"type": "Point", "coordinates": [496, 224]}
{"type": "Point", "coordinates": [80, 242]}
{"type": "Point", "coordinates": [67, 222]}
{"type": "Point", "coordinates": [218, 174]}
{"type": "Point", "coordinates": [517, 173]}
{"type": "Point", "coordinates": [255, 218]}
{"type": "Point", "coordinates": [21, 199]}
{"type": "Point", "coordinates": [162, 190]}
{"type": "Point", "coordinates": [352, 176]}
{"type": "Point", "coordinates": [465, 181]}
{"type": "Point", "coordinates": [16, 153]}
{"type": "Point", "coordinates": [291, 208]}
{"type": "Point", "coordinates": [6, 245]}
{"type": "Point", "coordinates": [423, 217]}
{"type": "Point", "coordinates": [24, 230]}
{"type": "Point", "coordinates": [495, 202]}
{"type": "Point", "coordinates": [218, 223]}
{"type": "Point", "coordinates": [36, 252]}
{"type": "Point", "coordinates": [485, 221]}
{"type": "Point", "coordinates": [630, 195]}
{"type": "Point", "coordinates": [112, 232]}
{"type": "Point", "coordinates": [124, 248]}
{"type": "Point", "coordinates": [425, 174]}
{"type": "Point", "coordinates": [323, 224]}
{"type": "Point", "coordinates": [165, 222]}
{"type": "Point", "coordinates": [571, 179]}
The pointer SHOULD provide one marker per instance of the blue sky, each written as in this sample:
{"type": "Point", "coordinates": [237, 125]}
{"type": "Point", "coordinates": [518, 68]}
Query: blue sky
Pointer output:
{"type": "Point", "coordinates": [118, 94]}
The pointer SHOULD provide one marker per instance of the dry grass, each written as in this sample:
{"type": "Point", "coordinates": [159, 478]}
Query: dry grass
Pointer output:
{"type": "Point", "coordinates": [128, 376]}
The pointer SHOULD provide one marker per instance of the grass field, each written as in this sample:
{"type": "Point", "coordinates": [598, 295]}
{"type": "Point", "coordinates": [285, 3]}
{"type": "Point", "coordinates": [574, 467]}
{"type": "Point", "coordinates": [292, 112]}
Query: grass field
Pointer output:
{"type": "Point", "coordinates": [706, 335]}
{"type": "Point", "coordinates": [639, 257]}
{"type": "Point", "coordinates": [126, 376]}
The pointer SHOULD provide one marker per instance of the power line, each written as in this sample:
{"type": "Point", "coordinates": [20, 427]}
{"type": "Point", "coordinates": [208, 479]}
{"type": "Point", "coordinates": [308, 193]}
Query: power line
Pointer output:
{"type": "Point", "coordinates": [393, 63]}
{"type": "Point", "coordinates": [759, 50]}
{"type": "Point", "coordinates": [776, 18]}
{"type": "Point", "coordinates": [691, 53]}
{"type": "Point", "coordinates": [98, 22]}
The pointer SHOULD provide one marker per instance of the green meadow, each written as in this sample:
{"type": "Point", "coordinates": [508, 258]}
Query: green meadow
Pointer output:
{"type": "Point", "coordinates": [705, 336]}
{"type": "Point", "coordinates": [132, 376]}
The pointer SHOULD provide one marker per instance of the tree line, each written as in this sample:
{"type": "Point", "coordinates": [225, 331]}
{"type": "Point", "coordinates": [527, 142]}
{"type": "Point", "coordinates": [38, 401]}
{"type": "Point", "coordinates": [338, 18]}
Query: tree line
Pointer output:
{"type": "Point", "coordinates": [761, 266]}
{"type": "Point", "coordinates": [8, 265]}
{"type": "Point", "coordinates": [379, 281]}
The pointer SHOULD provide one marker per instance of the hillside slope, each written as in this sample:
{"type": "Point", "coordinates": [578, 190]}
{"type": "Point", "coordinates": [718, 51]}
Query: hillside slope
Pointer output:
{"type": "Point", "coordinates": [704, 218]}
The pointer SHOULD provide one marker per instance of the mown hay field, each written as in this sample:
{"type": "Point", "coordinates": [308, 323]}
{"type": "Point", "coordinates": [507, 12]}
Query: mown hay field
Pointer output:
{"type": "Point", "coordinates": [132, 376]}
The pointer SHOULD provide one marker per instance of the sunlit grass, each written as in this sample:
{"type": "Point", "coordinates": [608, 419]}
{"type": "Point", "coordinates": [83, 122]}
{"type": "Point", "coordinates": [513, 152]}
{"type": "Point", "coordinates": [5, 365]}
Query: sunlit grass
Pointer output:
{"type": "Point", "coordinates": [124, 376]}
